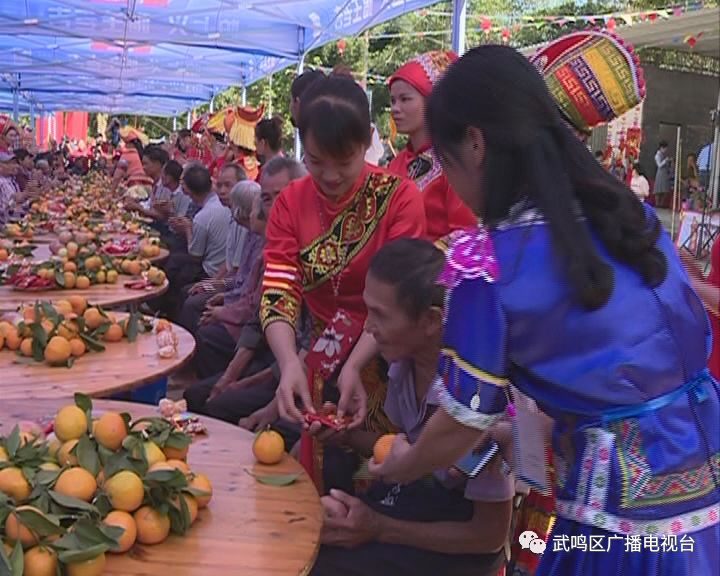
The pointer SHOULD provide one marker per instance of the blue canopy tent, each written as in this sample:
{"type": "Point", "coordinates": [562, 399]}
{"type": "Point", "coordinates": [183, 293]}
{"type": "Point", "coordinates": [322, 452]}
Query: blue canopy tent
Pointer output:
{"type": "Point", "coordinates": [165, 56]}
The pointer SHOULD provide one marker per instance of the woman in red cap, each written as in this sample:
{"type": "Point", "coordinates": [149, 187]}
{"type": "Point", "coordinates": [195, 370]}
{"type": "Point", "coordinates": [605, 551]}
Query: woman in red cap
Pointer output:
{"type": "Point", "coordinates": [9, 135]}
{"type": "Point", "coordinates": [409, 88]}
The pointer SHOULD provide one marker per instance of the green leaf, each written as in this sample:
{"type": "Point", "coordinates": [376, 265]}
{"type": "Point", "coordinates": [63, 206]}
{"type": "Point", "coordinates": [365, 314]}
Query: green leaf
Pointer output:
{"type": "Point", "coordinates": [76, 556]}
{"type": "Point", "coordinates": [178, 523]}
{"type": "Point", "coordinates": [38, 351]}
{"type": "Point", "coordinates": [72, 503]}
{"type": "Point", "coordinates": [166, 478]}
{"type": "Point", "coordinates": [5, 568]}
{"type": "Point", "coordinates": [87, 455]}
{"type": "Point", "coordinates": [103, 504]}
{"type": "Point", "coordinates": [47, 477]}
{"type": "Point", "coordinates": [178, 440]}
{"type": "Point", "coordinates": [274, 479]}
{"type": "Point", "coordinates": [113, 534]}
{"type": "Point", "coordinates": [38, 523]}
{"type": "Point", "coordinates": [132, 327]}
{"type": "Point", "coordinates": [91, 533]}
{"type": "Point", "coordinates": [17, 560]}
{"type": "Point", "coordinates": [83, 402]}
{"type": "Point", "coordinates": [50, 312]}
{"type": "Point", "coordinates": [92, 343]}
{"type": "Point", "coordinates": [60, 278]}
{"type": "Point", "coordinates": [105, 454]}
{"type": "Point", "coordinates": [12, 442]}
{"type": "Point", "coordinates": [127, 417]}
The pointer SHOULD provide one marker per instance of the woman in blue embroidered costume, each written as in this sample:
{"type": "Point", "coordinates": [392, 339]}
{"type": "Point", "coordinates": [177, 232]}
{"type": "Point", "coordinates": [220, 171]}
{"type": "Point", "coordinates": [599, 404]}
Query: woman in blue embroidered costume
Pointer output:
{"type": "Point", "coordinates": [576, 295]}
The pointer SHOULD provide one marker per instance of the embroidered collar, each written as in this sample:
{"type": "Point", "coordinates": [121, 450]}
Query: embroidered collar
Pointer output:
{"type": "Point", "coordinates": [471, 255]}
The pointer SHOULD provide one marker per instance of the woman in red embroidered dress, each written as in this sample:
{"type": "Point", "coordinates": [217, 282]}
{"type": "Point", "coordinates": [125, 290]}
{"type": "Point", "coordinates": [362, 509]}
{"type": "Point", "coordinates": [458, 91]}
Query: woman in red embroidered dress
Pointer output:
{"type": "Point", "coordinates": [409, 88]}
{"type": "Point", "coordinates": [322, 233]}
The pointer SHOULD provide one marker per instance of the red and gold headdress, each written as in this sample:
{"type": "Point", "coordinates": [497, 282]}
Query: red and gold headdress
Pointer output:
{"type": "Point", "coordinates": [593, 76]}
{"type": "Point", "coordinates": [5, 124]}
{"type": "Point", "coordinates": [238, 123]}
{"type": "Point", "coordinates": [423, 72]}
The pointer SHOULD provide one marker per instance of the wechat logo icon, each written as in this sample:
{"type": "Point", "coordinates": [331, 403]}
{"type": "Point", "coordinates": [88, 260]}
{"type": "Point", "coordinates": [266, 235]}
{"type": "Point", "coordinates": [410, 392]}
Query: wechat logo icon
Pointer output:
{"type": "Point", "coordinates": [529, 539]}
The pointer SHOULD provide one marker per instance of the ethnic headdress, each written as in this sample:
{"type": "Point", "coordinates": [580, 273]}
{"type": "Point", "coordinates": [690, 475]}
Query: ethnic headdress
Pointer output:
{"type": "Point", "coordinates": [593, 76]}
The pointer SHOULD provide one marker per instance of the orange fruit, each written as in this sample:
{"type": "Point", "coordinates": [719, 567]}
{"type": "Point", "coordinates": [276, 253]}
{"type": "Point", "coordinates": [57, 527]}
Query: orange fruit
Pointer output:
{"type": "Point", "coordinates": [152, 526]}
{"type": "Point", "coordinates": [64, 456]}
{"type": "Point", "coordinates": [268, 447]}
{"type": "Point", "coordinates": [153, 454]}
{"type": "Point", "coordinates": [3, 455]}
{"type": "Point", "coordinates": [382, 447]}
{"type": "Point", "coordinates": [70, 423]}
{"type": "Point", "coordinates": [175, 454]}
{"type": "Point", "coordinates": [82, 283]}
{"type": "Point", "coordinates": [69, 266]}
{"type": "Point", "coordinates": [77, 347]}
{"type": "Point", "coordinates": [67, 329]}
{"type": "Point", "coordinates": [69, 280]}
{"type": "Point", "coordinates": [64, 307]}
{"type": "Point", "coordinates": [5, 326]}
{"type": "Point", "coordinates": [125, 521]}
{"type": "Point", "coordinates": [78, 483]}
{"type": "Point", "coordinates": [57, 351]}
{"type": "Point", "coordinates": [26, 347]}
{"type": "Point", "coordinates": [125, 491]}
{"type": "Point", "coordinates": [14, 484]}
{"type": "Point", "coordinates": [100, 277]}
{"type": "Point", "coordinates": [162, 324]}
{"type": "Point", "coordinates": [93, 318]}
{"type": "Point", "coordinates": [12, 339]}
{"type": "Point", "coordinates": [134, 268]}
{"type": "Point", "coordinates": [3, 255]}
{"type": "Point", "coordinates": [78, 303]}
{"type": "Point", "coordinates": [202, 482]}
{"type": "Point", "coordinates": [110, 430]}
{"type": "Point", "coordinates": [40, 561]}
{"type": "Point", "coordinates": [114, 333]}
{"type": "Point", "coordinates": [93, 263]}
{"type": "Point", "coordinates": [72, 249]}
{"type": "Point", "coordinates": [28, 315]}
{"type": "Point", "coordinates": [93, 567]}
{"type": "Point", "coordinates": [170, 465]}
{"type": "Point", "coordinates": [15, 530]}
{"type": "Point", "coordinates": [111, 276]}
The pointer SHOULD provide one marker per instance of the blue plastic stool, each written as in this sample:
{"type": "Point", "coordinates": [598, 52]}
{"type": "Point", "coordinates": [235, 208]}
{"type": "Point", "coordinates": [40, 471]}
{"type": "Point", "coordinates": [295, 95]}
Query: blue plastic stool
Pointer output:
{"type": "Point", "coordinates": [149, 394]}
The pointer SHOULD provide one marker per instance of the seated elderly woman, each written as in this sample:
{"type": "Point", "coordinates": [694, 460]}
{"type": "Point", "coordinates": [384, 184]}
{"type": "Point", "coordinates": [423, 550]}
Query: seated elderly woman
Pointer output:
{"type": "Point", "coordinates": [242, 198]}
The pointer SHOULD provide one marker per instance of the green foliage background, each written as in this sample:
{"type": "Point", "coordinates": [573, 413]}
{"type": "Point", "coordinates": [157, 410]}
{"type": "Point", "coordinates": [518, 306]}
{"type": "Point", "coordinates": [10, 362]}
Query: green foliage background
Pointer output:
{"type": "Point", "coordinates": [377, 53]}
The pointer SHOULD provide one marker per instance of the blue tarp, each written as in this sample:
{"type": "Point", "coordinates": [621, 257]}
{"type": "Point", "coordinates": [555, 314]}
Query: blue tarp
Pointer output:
{"type": "Point", "coordinates": [165, 56]}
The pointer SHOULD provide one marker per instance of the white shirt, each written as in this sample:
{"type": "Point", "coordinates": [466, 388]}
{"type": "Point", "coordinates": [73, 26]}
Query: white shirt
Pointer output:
{"type": "Point", "coordinates": [640, 186]}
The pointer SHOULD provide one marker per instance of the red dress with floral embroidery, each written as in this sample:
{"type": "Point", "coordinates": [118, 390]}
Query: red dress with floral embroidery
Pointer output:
{"type": "Point", "coordinates": [444, 210]}
{"type": "Point", "coordinates": [318, 251]}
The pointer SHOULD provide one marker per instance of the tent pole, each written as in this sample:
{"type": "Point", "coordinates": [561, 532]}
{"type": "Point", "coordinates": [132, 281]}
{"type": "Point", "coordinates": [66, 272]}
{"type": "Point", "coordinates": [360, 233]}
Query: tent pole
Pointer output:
{"type": "Point", "coordinates": [212, 104]}
{"type": "Point", "coordinates": [298, 144]}
{"type": "Point", "coordinates": [32, 116]}
{"type": "Point", "coordinates": [243, 96]}
{"type": "Point", "coordinates": [189, 120]}
{"type": "Point", "coordinates": [714, 183]}
{"type": "Point", "coordinates": [459, 16]}
{"type": "Point", "coordinates": [174, 123]}
{"type": "Point", "coordinates": [676, 186]}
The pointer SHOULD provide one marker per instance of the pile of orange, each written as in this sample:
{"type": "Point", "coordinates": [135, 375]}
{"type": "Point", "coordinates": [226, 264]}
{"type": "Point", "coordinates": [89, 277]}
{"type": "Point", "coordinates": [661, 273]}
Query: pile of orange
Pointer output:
{"type": "Point", "coordinates": [129, 490]}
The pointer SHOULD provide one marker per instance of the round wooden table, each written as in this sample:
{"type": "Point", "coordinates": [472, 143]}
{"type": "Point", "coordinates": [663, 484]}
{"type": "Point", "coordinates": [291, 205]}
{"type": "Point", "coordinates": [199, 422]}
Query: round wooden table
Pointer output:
{"type": "Point", "coordinates": [105, 295]}
{"type": "Point", "coordinates": [248, 529]}
{"type": "Point", "coordinates": [42, 253]}
{"type": "Point", "coordinates": [122, 366]}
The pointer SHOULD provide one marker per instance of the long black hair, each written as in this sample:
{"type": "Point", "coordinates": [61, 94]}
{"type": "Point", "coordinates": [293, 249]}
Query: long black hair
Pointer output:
{"type": "Point", "coordinates": [532, 155]}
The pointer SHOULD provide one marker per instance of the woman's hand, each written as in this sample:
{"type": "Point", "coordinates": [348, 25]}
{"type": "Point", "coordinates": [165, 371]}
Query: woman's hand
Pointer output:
{"type": "Point", "coordinates": [210, 315]}
{"type": "Point", "coordinates": [293, 383]}
{"type": "Point", "coordinates": [394, 468]}
{"type": "Point", "coordinates": [353, 397]}
{"type": "Point", "coordinates": [216, 300]}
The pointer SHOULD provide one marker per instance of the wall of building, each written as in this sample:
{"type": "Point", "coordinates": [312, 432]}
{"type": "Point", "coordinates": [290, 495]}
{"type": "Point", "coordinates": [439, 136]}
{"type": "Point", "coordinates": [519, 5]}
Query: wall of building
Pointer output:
{"type": "Point", "coordinates": [676, 99]}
